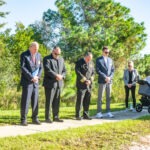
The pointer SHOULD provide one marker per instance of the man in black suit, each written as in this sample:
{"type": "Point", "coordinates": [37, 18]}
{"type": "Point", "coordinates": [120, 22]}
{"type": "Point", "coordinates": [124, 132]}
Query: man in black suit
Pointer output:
{"type": "Point", "coordinates": [54, 74]}
{"type": "Point", "coordinates": [31, 69]}
{"type": "Point", "coordinates": [85, 74]}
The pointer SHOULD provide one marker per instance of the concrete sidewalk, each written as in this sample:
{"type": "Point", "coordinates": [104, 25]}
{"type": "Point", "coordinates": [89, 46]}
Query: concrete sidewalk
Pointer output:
{"type": "Point", "coordinates": [15, 130]}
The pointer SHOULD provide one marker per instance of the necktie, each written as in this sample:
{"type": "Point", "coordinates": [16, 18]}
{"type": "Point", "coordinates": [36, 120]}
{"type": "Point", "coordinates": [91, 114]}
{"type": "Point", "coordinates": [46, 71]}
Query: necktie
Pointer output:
{"type": "Point", "coordinates": [33, 59]}
{"type": "Point", "coordinates": [105, 60]}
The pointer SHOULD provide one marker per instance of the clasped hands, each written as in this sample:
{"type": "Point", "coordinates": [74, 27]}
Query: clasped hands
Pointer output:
{"type": "Point", "coordinates": [129, 85]}
{"type": "Point", "coordinates": [107, 79]}
{"type": "Point", "coordinates": [87, 82]}
{"type": "Point", "coordinates": [35, 79]}
{"type": "Point", "coordinates": [59, 77]}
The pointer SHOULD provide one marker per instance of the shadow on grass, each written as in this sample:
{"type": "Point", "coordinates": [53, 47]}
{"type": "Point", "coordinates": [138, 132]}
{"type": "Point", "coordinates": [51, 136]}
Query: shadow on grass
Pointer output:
{"type": "Point", "coordinates": [13, 116]}
{"type": "Point", "coordinates": [94, 111]}
{"type": "Point", "coordinates": [13, 120]}
{"type": "Point", "coordinates": [147, 117]}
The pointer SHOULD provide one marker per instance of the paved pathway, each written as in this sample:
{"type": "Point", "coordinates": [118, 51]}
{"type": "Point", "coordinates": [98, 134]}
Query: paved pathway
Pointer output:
{"type": "Point", "coordinates": [15, 130]}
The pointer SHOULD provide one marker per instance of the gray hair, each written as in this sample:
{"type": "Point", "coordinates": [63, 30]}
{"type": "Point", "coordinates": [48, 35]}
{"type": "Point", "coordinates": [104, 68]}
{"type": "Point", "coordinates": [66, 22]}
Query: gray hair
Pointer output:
{"type": "Point", "coordinates": [34, 44]}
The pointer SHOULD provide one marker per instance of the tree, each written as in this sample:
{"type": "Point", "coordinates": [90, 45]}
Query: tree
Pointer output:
{"type": "Point", "coordinates": [48, 30]}
{"type": "Point", "coordinates": [143, 65]}
{"type": "Point", "coordinates": [89, 25]}
{"type": "Point", "coordinates": [2, 14]}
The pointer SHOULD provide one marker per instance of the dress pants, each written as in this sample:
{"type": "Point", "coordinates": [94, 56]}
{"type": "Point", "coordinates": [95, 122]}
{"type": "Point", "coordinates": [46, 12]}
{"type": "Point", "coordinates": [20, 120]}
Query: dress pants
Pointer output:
{"type": "Point", "coordinates": [29, 94]}
{"type": "Point", "coordinates": [52, 101]}
{"type": "Point", "coordinates": [83, 99]}
{"type": "Point", "coordinates": [102, 88]}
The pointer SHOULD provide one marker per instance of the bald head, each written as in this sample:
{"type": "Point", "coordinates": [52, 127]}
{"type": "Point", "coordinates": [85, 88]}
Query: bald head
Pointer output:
{"type": "Point", "coordinates": [56, 52]}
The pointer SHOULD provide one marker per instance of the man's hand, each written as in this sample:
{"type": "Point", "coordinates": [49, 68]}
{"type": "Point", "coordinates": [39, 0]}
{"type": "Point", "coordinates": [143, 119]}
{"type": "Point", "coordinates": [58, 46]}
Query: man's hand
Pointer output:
{"type": "Point", "coordinates": [59, 77]}
{"type": "Point", "coordinates": [35, 79]}
{"type": "Point", "coordinates": [107, 79]}
{"type": "Point", "coordinates": [87, 82]}
{"type": "Point", "coordinates": [129, 85]}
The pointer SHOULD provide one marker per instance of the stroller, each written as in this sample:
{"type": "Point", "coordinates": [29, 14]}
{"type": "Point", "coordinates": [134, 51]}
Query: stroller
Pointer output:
{"type": "Point", "coordinates": [144, 90]}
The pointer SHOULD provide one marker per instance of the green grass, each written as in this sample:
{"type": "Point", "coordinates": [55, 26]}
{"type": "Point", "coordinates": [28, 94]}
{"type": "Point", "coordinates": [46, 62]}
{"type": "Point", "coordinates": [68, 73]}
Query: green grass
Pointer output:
{"type": "Point", "coordinates": [108, 136]}
{"type": "Point", "coordinates": [13, 116]}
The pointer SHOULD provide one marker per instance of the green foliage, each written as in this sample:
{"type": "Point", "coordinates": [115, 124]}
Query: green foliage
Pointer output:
{"type": "Point", "coordinates": [47, 31]}
{"type": "Point", "coordinates": [143, 65]}
{"type": "Point", "coordinates": [2, 14]}
{"type": "Point", "coordinates": [12, 116]}
{"type": "Point", "coordinates": [69, 91]}
{"type": "Point", "coordinates": [118, 92]}
{"type": "Point", "coordinates": [7, 75]}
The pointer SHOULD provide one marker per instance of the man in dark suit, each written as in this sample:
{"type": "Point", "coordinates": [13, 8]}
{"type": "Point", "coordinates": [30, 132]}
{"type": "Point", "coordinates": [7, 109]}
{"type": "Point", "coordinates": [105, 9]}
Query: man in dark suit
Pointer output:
{"type": "Point", "coordinates": [31, 69]}
{"type": "Point", "coordinates": [105, 71]}
{"type": "Point", "coordinates": [54, 74]}
{"type": "Point", "coordinates": [85, 71]}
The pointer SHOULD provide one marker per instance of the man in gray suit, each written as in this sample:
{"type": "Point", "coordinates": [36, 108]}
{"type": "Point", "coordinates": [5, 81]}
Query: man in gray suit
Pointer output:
{"type": "Point", "coordinates": [105, 71]}
{"type": "Point", "coordinates": [54, 74]}
{"type": "Point", "coordinates": [31, 69]}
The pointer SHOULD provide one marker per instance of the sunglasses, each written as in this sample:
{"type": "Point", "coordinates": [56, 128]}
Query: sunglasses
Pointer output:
{"type": "Point", "coordinates": [129, 66]}
{"type": "Point", "coordinates": [56, 54]}
{"type": "Point", "coordinates": [106, 52]}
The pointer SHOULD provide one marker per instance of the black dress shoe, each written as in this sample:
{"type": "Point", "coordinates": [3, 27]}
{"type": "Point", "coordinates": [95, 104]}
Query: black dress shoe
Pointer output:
{"type": "Point", "coordinates": [78, 118]}
{"type": "Point", "coordinates": [87, 118]}
{"type": "Point", "coordinates": [24, 123]}
{"type": "Point", "coordinates": [36, 122]}
{"type": "Point", "coordinates": [48, 121]}
{"type": "Point", "coordinates": [57, 120]}
{"type": "Point", "coordinates": [86, 115]}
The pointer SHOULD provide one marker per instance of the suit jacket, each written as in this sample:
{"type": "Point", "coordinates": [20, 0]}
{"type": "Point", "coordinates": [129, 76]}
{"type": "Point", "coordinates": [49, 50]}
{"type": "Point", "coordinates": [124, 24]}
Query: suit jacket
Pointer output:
{"type": "Point", "coordinates": [84, 70]}
{"type": "Point", "coordinates": [51, 68]}
{"type": "Point", "coordinates": [28, 68]}
{"type": "Point", "coordinates": [104, 70]}
{"type": "Point", "coordinates": [135, 77]}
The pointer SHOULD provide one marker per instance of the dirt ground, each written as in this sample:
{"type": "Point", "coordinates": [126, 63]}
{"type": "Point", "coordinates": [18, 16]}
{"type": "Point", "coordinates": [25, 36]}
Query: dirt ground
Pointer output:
{"type": "Point", "coordinates": [143, 144]}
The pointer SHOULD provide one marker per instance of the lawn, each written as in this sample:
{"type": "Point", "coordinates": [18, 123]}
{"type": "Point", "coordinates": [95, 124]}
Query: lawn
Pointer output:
{"type": "Point", "coordinates": [13, 116]}
{"type": "Point", "coordinates": [108, 136]}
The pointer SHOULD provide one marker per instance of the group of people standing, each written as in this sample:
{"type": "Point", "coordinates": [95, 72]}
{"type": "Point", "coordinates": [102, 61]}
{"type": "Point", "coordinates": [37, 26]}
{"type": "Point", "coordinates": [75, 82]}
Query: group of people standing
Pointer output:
{"type": "Point", "coordinates": [54, 74]}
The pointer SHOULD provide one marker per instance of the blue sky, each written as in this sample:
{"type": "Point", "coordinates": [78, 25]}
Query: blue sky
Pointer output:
{"type": "Point", "coordinates": [28, 11]}
{"type": "Point", "coordinates": [25, 11]}
{"type": "Point", "coordinates": [140, 12]}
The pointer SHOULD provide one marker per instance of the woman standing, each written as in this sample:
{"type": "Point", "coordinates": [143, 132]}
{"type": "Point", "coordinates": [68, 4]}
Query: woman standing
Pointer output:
{"type": "Point", "coordinates": [130, 77]}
